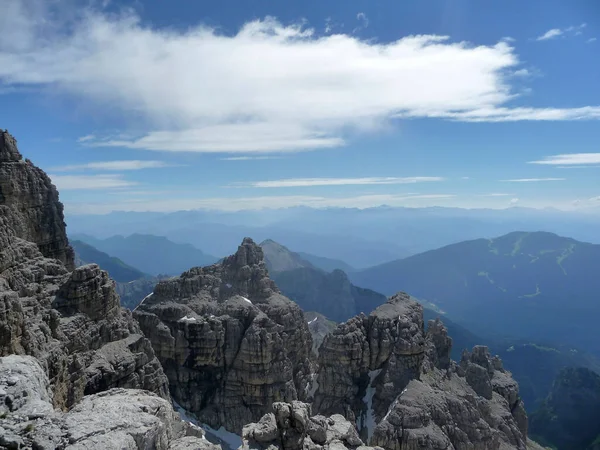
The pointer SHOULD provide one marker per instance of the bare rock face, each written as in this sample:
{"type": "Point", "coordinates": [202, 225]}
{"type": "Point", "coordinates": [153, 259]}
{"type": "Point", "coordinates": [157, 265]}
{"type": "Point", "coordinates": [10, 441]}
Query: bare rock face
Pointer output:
{"type": "Point", "coordinates": [118, 418]}
{"type": "Point", "coordinates": [474, 405]}
{"type": "Point", "coordinates": [37, 215]}
{"type": "Point", "coordinates": [230, 343]}
{"type": "Point", "coordinates": [367, 362]}
{"type": "Point", "coordinates": [291, 427]}
{"type": "Point", "coordinates": [70, 321]}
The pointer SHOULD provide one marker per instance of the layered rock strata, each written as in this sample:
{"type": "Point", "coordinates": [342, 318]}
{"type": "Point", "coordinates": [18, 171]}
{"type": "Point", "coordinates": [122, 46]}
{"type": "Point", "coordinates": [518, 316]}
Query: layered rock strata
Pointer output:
{"type": "Point", "coordinates": [36, 214]}
{"type": "Point", "coordinates": [396, 381]}
{"type": "Point", "coordinates": [70, 321]}
{"type": "Point", "coordinates": [230, 343]}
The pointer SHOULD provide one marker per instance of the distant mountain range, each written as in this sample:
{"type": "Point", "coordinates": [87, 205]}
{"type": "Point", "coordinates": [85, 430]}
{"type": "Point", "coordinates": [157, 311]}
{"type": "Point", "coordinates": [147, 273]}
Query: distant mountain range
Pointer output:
{"type": "Point", "coordinates": [359, 237]}
{"type": "Point", "coordinates": [314, 289]}
{"type": "Point", "coordinates": [535, 286]}
{"type": "Point", "coordinates": [117, 269]}
{"type": "Point", "coordinates": [155, 255]}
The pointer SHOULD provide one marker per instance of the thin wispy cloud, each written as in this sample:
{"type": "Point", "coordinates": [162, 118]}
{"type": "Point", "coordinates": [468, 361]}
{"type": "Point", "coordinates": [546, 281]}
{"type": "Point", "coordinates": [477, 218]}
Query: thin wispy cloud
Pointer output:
{"type": "Point", "coordinates": [533, 180]}
{"type": "Point", "coordinates": [86, 138]}
{"type": "Point", "coordinates": [258, 203]}
{"type": "Point", "coordinates": [590, 40]}
{"type": "Point", "coordinates": [514, 201]}
{"type": "Point", "coordinates": [266, 88]}
{"type": "Point", "coordinates": [87, 182]}
{"type": "Point", "coordinates": [556, 32]}
{"type": "Point", "coordinates": [249, 158]}
{"type": "Point", "coordinates": [307, 182]}
{"type": "Point", "coordinates": [112, 166]}
{"type": "Point", "coordinates": [567, 159]}
{"type": "Point", "coordinates": [497, 194]}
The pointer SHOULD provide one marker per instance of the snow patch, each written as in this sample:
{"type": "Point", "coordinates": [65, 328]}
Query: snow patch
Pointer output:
{"type": "Point", "coordinates": [367, 420]}
{"type": "Point", "coordinates": [143, 300]}
{"type": "Point", "coordinates": [228, 285]}
{"type": "Point", "coordinates": [312, 385]}
{"type": "Point", "coordinates": [246, 300]}
{"type": "Point", "coordinates": [187, 319]}
{"type": "Point", "coordinates": [313, 321]}
{"type": "Point", "coordinates": [393, 405]}
{"type": "Point", "coordinates": [185, 416]}
{"type": "Point", "coordinates": [227, 439]}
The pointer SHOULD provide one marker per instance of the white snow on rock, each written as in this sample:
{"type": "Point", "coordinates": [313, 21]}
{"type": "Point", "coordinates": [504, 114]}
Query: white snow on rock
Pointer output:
{"type": "Point", "coordinates": [228, 285]}
{"type": "Point", "coordinates": [143, 300]}
{"type": "Point", "coordinates": [246, 300]}
{"type": "Point", "coordinates": [185, 415]}
{"type": "Point", "coordinates": [313, 321]}
{"type": "Point", "coordinates": [227, 439]}
{"type": "Point", "coordinates": [367, 420]}
{"type": "Point", "coordinates": [187, 319]}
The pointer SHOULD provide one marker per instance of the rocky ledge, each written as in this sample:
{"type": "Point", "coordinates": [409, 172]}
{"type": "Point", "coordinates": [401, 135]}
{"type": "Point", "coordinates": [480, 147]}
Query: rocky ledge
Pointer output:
{"type": "Point", "coordinates": [230, 343]}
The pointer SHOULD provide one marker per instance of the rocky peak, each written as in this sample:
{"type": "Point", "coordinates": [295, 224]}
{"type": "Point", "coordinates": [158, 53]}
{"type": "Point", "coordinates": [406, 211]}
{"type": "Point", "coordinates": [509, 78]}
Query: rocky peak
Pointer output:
{"type": "Point", "coordinates": [36, 213]}
{"type": "Point", "coordinates": [230, 343]}
{"type": "Point", "coordinates": [8, 148]}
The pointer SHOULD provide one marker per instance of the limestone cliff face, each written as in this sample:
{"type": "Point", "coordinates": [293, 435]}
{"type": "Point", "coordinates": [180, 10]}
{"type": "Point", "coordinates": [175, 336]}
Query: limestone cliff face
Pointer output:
{"type": "Point", "coordinates": [396, 381]}
{"type": "Point", "coordinates": [230, 343]}
{"type": "Point", "coordinates": [369, 360]}
{"type": "Point", "coordinates": [36, 214]}
{"type": "Point", "coordinates": [71, 321]}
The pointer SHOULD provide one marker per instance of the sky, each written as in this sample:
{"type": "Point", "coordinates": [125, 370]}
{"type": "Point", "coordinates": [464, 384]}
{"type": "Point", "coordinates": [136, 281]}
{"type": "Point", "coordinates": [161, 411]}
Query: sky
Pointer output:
{"type": "Point", "coordinates": [148, 105]}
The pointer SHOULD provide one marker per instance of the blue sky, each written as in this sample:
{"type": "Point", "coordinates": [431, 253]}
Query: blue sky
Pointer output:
{"type": "Point", "coordinates": [160, 106]}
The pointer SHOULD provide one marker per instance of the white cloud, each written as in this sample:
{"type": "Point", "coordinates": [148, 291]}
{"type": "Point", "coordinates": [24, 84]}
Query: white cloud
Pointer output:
{"type": "Point", "coordinates": [497, 194]}
{"type": "Point", "coordinates": [113, 165]}
{"type": "Point", "coordinates": [568, 159]}
{"type": "Point", "coordinates": [521, 73]}
{"type": "Point", "coordinates": [85, 182]}
{"type": "Point", "coordinates": [266, 88]}
{"type": "Point", "coordinates": [514, 201]}
{"type": "Point", "coordinates": [257, 203]}
{"type": "Point", "coordinates": [556, 32]}
{"type": "Point", "coordinates": [87, 137]}
{"type": "Point", "coordinates": [306, 182]}
{"type": "Point", "coordinates": [533, 180]}
{"type": "Point", "coordinates": [590, 40]}
{"type": "Point", "coordinates": [249, 158]}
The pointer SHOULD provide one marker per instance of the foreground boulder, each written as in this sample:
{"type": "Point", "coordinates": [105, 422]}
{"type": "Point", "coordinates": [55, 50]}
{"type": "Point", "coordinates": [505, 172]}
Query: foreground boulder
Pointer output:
{"type": "Point", "coordinates": [291, 427]}
{"type": "Point", "coordinates": [114, 419]}
{"type": "Point", "coordinates": [230, 343]}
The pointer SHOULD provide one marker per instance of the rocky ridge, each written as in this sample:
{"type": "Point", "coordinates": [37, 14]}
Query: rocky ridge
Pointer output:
{"type": "Point", "coordinates": [230, 343]}
{"type": "Point", "coordinates": [397, 382]}
{"type": "Point", "coordinates": [63, 335]}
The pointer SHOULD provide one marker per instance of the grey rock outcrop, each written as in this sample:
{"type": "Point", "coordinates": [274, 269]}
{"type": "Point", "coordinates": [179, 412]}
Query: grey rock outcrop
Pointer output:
{"type": "Point", "coordinates": [118, 418]}
{"type": "Point", "coordinates": [367, 362]}
{"type": "Point", "coordinates": [230, 343]}
{"type": "Point", "coordinates": [36, 214]}
{"type": "Point", "coordinates": [472, 405]}
{"type": "Point", "coordinates": [71, 321]}
{"type": "Point", "coordinates": [397, 382]}
{"type": "Point", "coordinates": [291, 426]}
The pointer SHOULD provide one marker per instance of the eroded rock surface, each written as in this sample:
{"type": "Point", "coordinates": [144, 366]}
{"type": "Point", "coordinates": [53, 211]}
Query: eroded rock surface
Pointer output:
{"type": "Point", "coordinates": [114, 419]}
{"type": "Point", "coordinates": [471, 405]}
{"type": "Point", "coordinates": [367, 362]}
{"type": "Point", "coordinates": [291, 426]}
{"type": "Point", "coordinates": [69, 320]}
{"type": "Point", "coordinates": [230, 343]}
